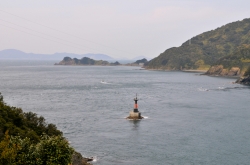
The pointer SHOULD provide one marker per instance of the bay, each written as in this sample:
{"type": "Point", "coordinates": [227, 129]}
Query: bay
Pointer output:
{"type": "Point", "coordinates": [190, 119]}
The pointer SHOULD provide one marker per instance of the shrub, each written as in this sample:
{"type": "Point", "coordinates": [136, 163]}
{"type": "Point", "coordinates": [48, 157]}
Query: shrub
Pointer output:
{"type": "Point", "coordinates": [24, 124]}
{"type": "Point", "coordinates": [49, 151]}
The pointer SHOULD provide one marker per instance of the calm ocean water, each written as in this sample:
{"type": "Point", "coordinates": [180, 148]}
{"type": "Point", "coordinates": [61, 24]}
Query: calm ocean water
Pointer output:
{"type": "Point", "coordinates": [192, 119]}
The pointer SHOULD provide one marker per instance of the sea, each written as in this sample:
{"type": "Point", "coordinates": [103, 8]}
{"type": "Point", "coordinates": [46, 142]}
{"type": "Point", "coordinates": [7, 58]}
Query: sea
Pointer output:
{"type": "Point", "coordinates": [189, 118]}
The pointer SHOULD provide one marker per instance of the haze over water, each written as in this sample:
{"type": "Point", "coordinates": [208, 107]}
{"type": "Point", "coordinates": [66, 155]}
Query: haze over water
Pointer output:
{"type": "Point", "coordinates": [192, 119]}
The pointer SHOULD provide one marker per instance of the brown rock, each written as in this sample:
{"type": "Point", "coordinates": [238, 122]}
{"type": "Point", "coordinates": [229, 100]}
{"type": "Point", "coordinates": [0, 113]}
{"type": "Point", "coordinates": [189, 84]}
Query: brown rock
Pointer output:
{"type": "Point", "coordinates": [215, 70]}
{"type": "Point", "coordinates": [77, 159]}
{"type": "Point", "coordinates": [219, 70]}
{"type": "Point", "coordinates": [234, 71]}
{"type": "Point", "coordinates": [243, 80]}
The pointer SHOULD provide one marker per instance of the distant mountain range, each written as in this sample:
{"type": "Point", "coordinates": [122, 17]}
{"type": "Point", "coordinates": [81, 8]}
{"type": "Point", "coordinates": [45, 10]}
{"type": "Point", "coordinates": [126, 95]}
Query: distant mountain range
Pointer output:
{"type": "Point", "coordinates": [13, 54]}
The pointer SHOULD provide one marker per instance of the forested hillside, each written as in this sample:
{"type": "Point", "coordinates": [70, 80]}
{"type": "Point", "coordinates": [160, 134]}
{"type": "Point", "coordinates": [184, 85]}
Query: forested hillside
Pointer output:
{"type": "Point", "coordinates": [203, 50]}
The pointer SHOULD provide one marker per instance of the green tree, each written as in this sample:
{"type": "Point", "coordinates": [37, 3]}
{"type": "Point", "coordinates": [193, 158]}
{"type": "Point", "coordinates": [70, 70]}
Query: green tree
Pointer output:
{"type": "Point", "coordinates": [8, 151]}
{"type": "Point", "coordinates": [24, 124]}
{"type": "Point", "coordinates": [53, 151]}
{"type": "Point", "coordinates": [49, 151]}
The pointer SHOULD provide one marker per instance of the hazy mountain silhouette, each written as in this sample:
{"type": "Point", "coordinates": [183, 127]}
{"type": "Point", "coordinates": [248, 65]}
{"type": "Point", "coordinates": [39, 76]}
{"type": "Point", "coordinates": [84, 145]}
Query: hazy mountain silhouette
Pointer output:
{"type": "Point", "coordinates": [13, 54]}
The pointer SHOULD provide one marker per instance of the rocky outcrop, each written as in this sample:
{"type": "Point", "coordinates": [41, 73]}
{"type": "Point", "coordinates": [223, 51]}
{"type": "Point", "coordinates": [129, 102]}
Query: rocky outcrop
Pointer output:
{"type": "Point", "coordinates": [135, 116]}
{"type": "Point", "coordinates": [219, 70]}
{"type": "Point", "coordinates": [243, 80]}
{"type": "Point", "coordinates": [77, 159]}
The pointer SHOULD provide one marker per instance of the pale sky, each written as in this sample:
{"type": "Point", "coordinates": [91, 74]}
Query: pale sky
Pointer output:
{"type": "Point", "coordinates": [118, 28]}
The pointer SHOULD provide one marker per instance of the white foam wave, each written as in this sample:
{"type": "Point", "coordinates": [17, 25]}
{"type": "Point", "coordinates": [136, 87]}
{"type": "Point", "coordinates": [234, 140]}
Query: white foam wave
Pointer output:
{"type": "Point", "coordinates": [203, 89]}
{"type": "Point", "coordinates": [95, 159]}
{"type": "Point", "coordinates": [104, 82]}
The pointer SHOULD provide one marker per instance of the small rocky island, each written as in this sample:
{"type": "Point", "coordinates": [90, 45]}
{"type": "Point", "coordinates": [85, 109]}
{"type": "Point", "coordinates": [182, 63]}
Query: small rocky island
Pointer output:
{"type": "Point", "coordinates": [85, 61]}
{"type": "Point", "coordinates": [135, 114]}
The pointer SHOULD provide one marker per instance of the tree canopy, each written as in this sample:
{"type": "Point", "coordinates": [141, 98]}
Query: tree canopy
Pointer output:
{"type": "Point", "coordinates": [27, 139]}
{"type": "Point", "coordinates": [24, 124]}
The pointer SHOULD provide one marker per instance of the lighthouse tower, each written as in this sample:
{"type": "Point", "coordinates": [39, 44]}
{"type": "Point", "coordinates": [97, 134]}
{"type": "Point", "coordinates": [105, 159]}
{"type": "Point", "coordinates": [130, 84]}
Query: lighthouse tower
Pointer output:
{"type": "Point", "coordinates": [136, 105]}
{"type": "Point", "coordinates": [135, 114]}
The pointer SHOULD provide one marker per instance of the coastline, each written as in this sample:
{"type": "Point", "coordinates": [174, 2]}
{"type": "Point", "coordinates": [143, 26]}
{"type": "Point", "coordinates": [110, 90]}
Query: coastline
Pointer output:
{"type": "Point", "coordinates": [191, 70]}
{"type": "Point", "coordinates": [195, 71]}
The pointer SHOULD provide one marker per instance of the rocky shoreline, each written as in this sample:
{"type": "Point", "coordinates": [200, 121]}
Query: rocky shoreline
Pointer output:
{"type": "Point", "coordinates": [219, 70]}
{"type": "Point", "coordinates": [243, 80]}
{"type": "Point", "coordinates": [77, 159]}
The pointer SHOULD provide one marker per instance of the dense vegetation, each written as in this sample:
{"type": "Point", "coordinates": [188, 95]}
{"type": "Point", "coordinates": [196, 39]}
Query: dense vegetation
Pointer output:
{"type": "Point", "coordinates": [240, 58]}
{"type": "Point", "coordinates": [54, 150]}
{"type": "Point", "coordinates": [202, 51]}
{"type": "Point", "coordinates": [26, 138]}
{"type": "Point", "coordinates": [24, 124]}
{"type": "Point", "coordinates": [84, 61]}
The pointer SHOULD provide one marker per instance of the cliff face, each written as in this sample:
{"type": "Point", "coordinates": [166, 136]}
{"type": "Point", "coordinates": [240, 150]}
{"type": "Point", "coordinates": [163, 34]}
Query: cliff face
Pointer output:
{"type": "Point", "coordinates": [243, 80]}
{"type": "Point", "coordinates": [219, 70]}
{"type": "Point", "coordinates": [203, 50]}
{"type": "Point", "coordinates": [77, 159]}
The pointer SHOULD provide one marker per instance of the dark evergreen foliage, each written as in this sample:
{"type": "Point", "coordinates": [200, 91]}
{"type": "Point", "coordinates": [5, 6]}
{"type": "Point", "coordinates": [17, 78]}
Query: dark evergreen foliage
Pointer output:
{"type": "Point", "coordinates": [26, 138]}
{"type": "Point", "coordinates": [23, 124]}
{"type": "Point", "coordinates": [54, 150]}
{"type": "Point", "coordinates": [239, 58]}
